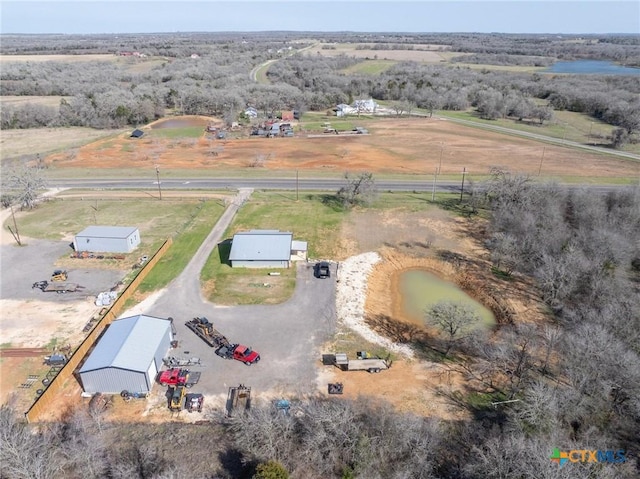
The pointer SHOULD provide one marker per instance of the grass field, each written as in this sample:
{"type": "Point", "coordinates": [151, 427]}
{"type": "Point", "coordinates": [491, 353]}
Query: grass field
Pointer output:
{"type": "Point", "coordinates": [309, 219]}
{"type": "Point", "coordinates": [567, 125]}
{"type": "Point", "coordinates": [190, 235]}
{"type": "Point", "coordinates": [370, 67]}
{"type": "Point", "coordinates": [186, 132]}
{"type": "Point", "coordinates": [15, 101]}
{"type": "Point", "coordinates": [62, 218]}
{"type": "Point", "coordinates": [421, 53]}
{"type": "Point", "coordinates": [46, 141]}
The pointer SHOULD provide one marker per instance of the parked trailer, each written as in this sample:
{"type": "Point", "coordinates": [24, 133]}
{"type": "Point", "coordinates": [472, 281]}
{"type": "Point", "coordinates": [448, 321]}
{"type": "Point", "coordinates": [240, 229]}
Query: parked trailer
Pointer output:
{"type": "Point", "coordinates": [205, 330]}
{"type": "Point", "coordinates": [48, 287]}
{"type": "Point", "coordinates": [238, 399]}
{"type": "Point", "coordinates": [172, 362]}
{"type": "Point", "coordinates": [363, 363]}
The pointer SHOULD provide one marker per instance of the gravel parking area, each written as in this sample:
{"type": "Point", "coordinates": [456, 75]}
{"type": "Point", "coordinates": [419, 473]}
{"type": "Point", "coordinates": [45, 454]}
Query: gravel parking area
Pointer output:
{"type": "Point", "coordinates": [24, 265]}
{"type": "Point", "coordinates": [287, 336]}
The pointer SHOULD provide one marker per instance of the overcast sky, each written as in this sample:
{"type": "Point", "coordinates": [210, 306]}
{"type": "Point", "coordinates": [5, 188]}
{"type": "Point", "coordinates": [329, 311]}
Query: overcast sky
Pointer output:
{"type": "Point", "coordinates": [143, 16]}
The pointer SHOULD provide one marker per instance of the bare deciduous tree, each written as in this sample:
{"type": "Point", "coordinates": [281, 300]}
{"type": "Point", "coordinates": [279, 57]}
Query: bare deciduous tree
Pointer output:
{"type": "Point", "coordinates": [359, 190]}
{"type": "Point", "coordinates": [25, 183]}
{"type": "Point", "coordinates": [454, 320]}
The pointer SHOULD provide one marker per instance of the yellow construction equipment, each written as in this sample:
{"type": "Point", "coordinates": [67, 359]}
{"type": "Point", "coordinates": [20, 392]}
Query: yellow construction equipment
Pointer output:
{"type": "Point", "coordinates": [59, 275]}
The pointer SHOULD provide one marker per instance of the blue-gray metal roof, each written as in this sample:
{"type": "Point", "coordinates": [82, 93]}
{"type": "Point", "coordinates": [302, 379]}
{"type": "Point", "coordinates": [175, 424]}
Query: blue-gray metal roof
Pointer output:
{"type": "Point", "coordinates": [128, 343]}
{"type": "Point", "coordinates": [299, 245]}
{"type": "Point", "coordinates": [108, 231]}
{"type": "Point", "coordinates": [265, 245]}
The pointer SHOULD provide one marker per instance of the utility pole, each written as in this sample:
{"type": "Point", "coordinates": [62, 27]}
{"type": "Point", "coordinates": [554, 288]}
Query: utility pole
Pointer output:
{"type": "Point", "coordinates": [464, 170]}
{"type": "Point", "coordinates": [542, 158]}
{"type": "Point", "coordinates": [296, 185]}
{"type": "Point", "coordinates": [433, 193]}
{"type": "Point", "coordinates": [16, 233]}
{"type": "Point", "coordinates": [590, 130]}
{"type": "Point", "coordinates": [440, 163]}
{"type": "Point", "coordinates": [158, 180]}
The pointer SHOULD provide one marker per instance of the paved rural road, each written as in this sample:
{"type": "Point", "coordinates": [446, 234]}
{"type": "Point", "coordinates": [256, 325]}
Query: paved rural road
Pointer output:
{"type": "Point", "coordinates": [308, 184]}
{"type": "Point", "coordinates": [253, 75]}
{"type": "Point", "coordinates": [302, 184]}
{"type": "Point", "coordinates": [287, 335]}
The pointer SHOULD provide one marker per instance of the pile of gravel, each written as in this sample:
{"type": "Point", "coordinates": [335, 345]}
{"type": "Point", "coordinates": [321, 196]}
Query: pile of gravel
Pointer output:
{"type": "Point", "coordinates": [351, 294]}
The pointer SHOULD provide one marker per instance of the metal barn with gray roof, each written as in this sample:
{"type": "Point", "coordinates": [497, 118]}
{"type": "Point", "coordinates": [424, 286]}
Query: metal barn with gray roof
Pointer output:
{"type": "Point", "coordinates": [261, 249]}
{"type": "Point", "coordinates": [107, 239]}
{"type": "Point", "coordinates": [128, 356]}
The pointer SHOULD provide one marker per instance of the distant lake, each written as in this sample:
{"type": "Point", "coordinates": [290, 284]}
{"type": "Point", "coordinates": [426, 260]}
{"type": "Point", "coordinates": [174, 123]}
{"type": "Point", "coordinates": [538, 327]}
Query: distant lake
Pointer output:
{"type": "Point", "coordinates": [592, 67]}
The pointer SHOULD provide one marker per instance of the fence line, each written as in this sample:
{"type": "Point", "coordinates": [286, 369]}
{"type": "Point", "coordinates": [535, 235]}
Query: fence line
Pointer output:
{"type": "Point", "coordinates": [43, 402]}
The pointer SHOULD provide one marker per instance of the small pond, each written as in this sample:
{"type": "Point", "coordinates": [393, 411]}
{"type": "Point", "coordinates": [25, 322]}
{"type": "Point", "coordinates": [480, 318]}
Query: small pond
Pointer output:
{"type": "Point", "coordinates": [421, 290]}
{"type": "Point", "coordinates": [591, 67]}
{"type": "Point", "coordinates": [180, 123]}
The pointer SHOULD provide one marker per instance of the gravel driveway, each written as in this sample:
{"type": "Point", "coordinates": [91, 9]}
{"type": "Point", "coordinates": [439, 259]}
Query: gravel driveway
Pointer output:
{"type": "Point", "coordinates": [287, 336]}
{"type": "Point", "coordinates": [21, 266]}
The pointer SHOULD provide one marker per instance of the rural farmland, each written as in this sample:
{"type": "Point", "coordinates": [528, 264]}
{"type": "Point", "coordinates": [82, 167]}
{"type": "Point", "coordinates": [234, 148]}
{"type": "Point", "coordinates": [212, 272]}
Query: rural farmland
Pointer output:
{"type": "Point", "coordinates": [158, 289]}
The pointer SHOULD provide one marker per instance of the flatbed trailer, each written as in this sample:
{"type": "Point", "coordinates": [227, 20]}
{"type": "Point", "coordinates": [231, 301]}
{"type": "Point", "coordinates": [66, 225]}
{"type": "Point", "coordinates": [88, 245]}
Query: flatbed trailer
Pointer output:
{"type": "Point", "coordinates": [372, 365]}
{"type": "Point", "coordinates": [56, 287]}
{"type": "Point", "coordinates": [238, 399]}
{"type": "Point", "coordinates": [205, 330]}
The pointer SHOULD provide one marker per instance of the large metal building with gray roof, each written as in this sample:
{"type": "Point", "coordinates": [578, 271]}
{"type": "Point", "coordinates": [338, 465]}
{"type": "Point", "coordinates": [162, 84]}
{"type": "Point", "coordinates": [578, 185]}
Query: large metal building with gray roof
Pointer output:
{"type": "Point", "coordinates": [128, 356]}
{"type": "Point", "coordinates": [107, 239]}
{"type": "Point", "coordinates": [261, 249]}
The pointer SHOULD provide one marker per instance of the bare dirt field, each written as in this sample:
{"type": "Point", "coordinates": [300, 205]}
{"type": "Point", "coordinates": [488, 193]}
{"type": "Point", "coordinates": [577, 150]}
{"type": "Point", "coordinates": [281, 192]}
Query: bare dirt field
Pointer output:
{"type": "Point", "coordinates": [348, 49]}
{"type": "Point", "coordinates": [395, 145]}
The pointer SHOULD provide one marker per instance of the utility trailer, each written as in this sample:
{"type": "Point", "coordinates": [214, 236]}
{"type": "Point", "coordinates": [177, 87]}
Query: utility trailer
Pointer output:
{"type": "Point", "coordinates": [363, 363]}
{"type": "Point", "coordinates": [59, 288]}
{"type": "Point", "coordinates": [173, 362]}
{"type": "Point", "coordinates": [238, 399]}
{"type": "Point", "coordinates": [205, 330]}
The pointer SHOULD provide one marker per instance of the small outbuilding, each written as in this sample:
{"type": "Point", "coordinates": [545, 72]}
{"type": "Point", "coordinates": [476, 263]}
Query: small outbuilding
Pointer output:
{"type": "Point", "coordinates": [128, 356]}
{"type": "Point", "coordinates": [298, 250]}
{"type": "Point", "coordinates": [137, 133]}
{"type": "Point", "coordinates": [107, 239]}
{"type": "Point", "coordinates": [261, 249]}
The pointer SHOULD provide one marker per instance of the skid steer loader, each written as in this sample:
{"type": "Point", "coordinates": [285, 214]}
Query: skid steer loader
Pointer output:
{"type": "Point", "coordinates": [59, 275]}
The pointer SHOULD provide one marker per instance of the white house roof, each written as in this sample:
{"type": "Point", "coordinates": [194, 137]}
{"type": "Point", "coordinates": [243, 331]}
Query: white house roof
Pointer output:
{"type": "Point", "coordinates": [107, 231]}
{"type": "Point", "coordinates": [128, 343]}
{"type": "Point", "coordinates": [265, 245]}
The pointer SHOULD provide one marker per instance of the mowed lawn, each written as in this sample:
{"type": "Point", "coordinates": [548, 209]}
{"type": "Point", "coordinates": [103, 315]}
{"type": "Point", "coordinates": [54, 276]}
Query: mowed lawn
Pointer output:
{"type": "Point", "coordinates": [309, 219]}
{"type": "Point", "coordinates": [187, 221]}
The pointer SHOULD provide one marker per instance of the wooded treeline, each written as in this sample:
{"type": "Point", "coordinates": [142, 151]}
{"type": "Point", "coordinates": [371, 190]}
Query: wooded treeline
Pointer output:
{"type": "Point", "coordinates": [571, 382]}
{"type": "Point", "coordinates": [616, 47]}
{"type": "Point", "coordinates": [105, 94]}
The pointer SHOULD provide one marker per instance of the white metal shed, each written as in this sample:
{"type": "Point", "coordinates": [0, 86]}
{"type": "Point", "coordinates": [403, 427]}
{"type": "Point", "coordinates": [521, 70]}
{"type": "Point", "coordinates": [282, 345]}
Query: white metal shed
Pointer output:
{"type": "Point", "coordinates": [107, 239]}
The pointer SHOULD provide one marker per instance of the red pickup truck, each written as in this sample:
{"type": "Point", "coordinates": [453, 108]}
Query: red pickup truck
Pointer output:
{"type": "Point", "coordinates": [178, 377]}
{"type": "Point", "coordinates": [239, 353]}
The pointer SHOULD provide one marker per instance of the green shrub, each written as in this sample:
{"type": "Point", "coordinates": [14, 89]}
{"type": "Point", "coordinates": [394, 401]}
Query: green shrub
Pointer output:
{"type": "Point", "coordinates": [271, 470]}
